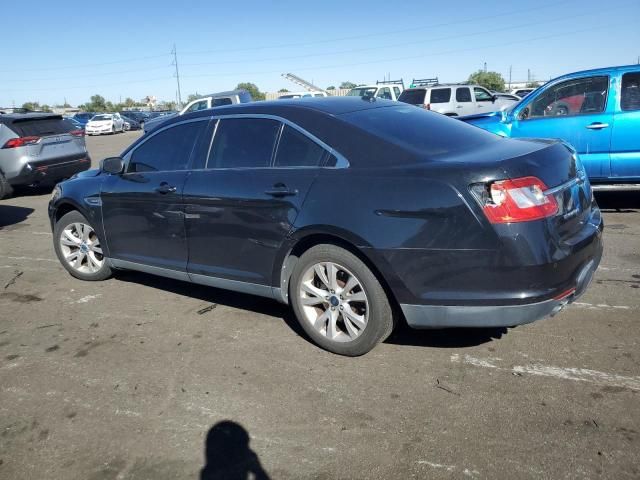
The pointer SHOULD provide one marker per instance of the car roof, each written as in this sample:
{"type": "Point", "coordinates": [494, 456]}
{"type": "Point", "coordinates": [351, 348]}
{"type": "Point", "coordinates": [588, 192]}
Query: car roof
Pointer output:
{"type": "Point", "coordinates": [224, 94]}
{"type": "Point", "coordinates": [11, 117]}
{"type": "Point", "coordinates": [620, 68]}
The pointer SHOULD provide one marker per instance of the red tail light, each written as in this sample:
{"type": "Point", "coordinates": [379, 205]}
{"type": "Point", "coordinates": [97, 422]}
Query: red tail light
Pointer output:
{"type": "Point", "coordinates": [21, 142]}
{"type": "Point", "coordinates": [77, 133]}
{"type": "Point", "coordinates": [426, 106]}
{"type": "Point", "coordinates": [518, 200]}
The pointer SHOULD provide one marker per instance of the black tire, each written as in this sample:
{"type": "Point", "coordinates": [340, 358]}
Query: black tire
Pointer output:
{"type": "Point", "coordinates": [76, 217]}
{"type": "Point", "coordinates": [380, 315]}
{"type": "Point", "coordinates": [6, 190]}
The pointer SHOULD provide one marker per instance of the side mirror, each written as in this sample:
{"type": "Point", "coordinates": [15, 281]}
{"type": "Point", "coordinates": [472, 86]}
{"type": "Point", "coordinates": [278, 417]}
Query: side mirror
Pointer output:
{"type": "Point", "coordinates": [494, 98]}
{"type": "Point", "coordinates": [113, 165]}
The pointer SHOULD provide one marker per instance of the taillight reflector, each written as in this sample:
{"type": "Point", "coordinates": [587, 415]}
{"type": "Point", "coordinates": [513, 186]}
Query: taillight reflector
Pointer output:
{"type": "Point", "coordinates": [21, 142]}
{"type": "Point", "coordinates": [565, 294]}
{"type": "Point", "coordinates": [77, 133]}
{"type": "Point", "coordinates": [518, 200]}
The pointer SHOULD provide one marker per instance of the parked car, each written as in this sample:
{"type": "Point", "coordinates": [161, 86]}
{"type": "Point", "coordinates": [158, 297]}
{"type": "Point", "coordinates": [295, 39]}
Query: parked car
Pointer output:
{"type": "Point", "coordinates": [139, 117]}
{"type": "Point", "coordinates": [105, 123]}
{"type": "Point", "coordinates": [507, 96]}
{"type": "Point", "coordinates": [209, 101]}
{"type": "Point", "coordinates": [387, 90]}
{"type": "Point", "coordinates": [455, 100]}
{"type": "Point", "coordinates": [39, 149]}
{"type": "Point", "coordinates": [290, 95]}
{"type": "Point", "coordinates": [83, 117]}
{"type": "Point", "coordinates": [596, 111]}
{"type": "Point", "coordinates": [76, 123]}
{"type": "Point", "coordinates": [344, 209]}
{"type": "Point", "coordinates": [130, 124]}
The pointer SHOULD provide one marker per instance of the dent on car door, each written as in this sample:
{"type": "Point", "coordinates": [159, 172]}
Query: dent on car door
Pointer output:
{"type": "Point", "coordinates": [625, 139]}
{"type": "Point", "coordinates": [142, 208]}
{"type": "Point", "coordinates": [240, 208]}
{"type": "Point", "coordinates": [579, 111]}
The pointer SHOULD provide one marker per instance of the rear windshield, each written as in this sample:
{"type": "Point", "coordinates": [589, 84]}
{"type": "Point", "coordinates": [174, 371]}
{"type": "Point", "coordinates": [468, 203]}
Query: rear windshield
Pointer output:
{"type": "Point", "coordinates": [440, 95]}
{"type": "Point", "coordinates": [362, 92]}
{"type": "Point", "coordinates": [41, 127]}
{"type": "Point", "coordinates": [426, 133]}
{"type": "Point", "coordinates": [413, 97]}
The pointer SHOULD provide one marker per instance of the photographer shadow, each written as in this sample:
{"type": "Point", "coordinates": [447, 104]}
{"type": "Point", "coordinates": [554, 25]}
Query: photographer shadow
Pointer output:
{"type": "Point", "coordinates": [228, 456]}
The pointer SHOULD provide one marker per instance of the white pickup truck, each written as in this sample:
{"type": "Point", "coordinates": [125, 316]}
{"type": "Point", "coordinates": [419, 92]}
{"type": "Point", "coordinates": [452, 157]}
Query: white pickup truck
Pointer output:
{"type": "Point", "coordinates": [390, 90]}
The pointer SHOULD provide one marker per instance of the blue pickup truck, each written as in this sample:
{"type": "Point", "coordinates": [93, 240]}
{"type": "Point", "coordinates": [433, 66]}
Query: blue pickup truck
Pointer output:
{"type": "Point", "coordinates": [596, 111]}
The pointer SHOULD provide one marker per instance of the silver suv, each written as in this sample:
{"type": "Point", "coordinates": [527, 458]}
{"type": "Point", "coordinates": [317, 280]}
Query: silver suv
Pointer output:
{"type": "Point", "coordinates": [454, 100]}
{"type": "Point", "coordinates": [39, 149]}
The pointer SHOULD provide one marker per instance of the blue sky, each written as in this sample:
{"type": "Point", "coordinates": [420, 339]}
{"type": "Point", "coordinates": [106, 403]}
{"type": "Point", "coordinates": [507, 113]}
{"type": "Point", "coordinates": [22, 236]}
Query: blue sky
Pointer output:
{"type": "Point", "coordinates": [122, 49]}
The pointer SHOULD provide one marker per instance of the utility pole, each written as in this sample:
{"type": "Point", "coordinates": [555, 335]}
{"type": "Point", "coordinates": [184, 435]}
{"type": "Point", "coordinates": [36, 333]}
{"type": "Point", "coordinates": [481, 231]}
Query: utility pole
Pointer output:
{"type": "Point", "coordinates": [485, 67]}
{"type": "Point", "coordinates": [175, 62]}
{"type": "Point", "coordinates": [510, 67]}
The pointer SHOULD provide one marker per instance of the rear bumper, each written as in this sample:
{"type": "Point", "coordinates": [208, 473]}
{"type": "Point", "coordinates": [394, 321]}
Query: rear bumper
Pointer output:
{"type": "Point", "coordinates": [50, 172]}
{"type": "Point", "coordinates": [482, 316]}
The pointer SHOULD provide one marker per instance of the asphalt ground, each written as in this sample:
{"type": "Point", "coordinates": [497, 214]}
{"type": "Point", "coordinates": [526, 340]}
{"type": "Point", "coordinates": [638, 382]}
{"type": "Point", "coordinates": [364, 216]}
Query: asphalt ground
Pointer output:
{"type": "Point", "coordinates": [140, 377]}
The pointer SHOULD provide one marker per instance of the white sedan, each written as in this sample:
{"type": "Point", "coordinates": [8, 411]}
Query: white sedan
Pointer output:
{"type": "Point", "coordinates": [104, 123]}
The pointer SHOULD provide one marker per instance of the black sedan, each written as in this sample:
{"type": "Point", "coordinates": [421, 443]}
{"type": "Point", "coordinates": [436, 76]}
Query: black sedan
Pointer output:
{"type": "Point", "coordinates": [355, 212]}
{"type": "Point", "coordinates": [131, 124]}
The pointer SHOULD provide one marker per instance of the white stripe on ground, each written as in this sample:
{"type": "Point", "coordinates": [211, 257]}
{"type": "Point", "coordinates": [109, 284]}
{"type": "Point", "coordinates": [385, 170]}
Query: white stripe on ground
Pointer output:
{"type": "Point", "coordinates": [592, 306]}
{"type": "Point", "coordinates": [449, 468]}
{"type": "Point", "coordinates": [32, 259]}
{"type": "Point", "coordinates": [88, 298]}
{"type": "Point", "coordinates": [563, 373]}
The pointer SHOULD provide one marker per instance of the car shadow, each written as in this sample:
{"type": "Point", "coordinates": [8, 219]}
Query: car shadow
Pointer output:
{"type": "Point", "coordinates": [12, 215]}
{"type": "Point", "coordinates": [618, 202]}
{"type": "Point", "coordinates": [402, 335]}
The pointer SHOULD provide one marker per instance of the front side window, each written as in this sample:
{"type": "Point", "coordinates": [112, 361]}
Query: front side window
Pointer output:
{"type": "Point", "coordinates": [201, 105]}
{"type": "Point", "coordinates": [396, 90]}
{"type": "Point", "coordinates": [167, 150]}
{"type": "Point", "coordinates": [482, 95]}
{"type": "Point", "coordinates": [243, 143]}
{"type": "Point", "coordinates": [630, 92]}
{"type": "Point", "coordinates": [218, 102]}
{"type": "Point", "coordinates": [362, 92]}
{"type": "Point", "coordinates": [297, 150]}
{"type": "Point", "coordinates": [572, 97]}
{"type": "Point", "coordinates": [440, 95]}
{"type": "Point", "coordinates": [463, 94]}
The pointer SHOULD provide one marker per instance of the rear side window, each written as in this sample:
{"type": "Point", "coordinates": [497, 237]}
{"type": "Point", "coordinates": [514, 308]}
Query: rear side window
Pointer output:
{"type": "Point", "coordinates": [42, 127]}
{"type": "Point", "coordinates": [440, 95]}
{"type": "Point", "coordinates": [297, 150]}
{"type": "Point", "coordinates": [218, 102]}
{"type": "Point", "coordinates": [167, 150]}
{"type": "Point", "coordinates": [463, 95]}
{"type": "Point", "coordinates": [243, 143]}
{"type": "Point", "coordinates": [396, 90]}
{"type": "Point", "coordinates": [630, 92]}
{"type": "Point", "coordinates": [413, 97]}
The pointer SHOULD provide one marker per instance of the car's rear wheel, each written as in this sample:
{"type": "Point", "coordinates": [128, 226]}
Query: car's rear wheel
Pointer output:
{"type": "Point", "coordinates": [339, 302]}
{"type": "Point", "coordinates": [79, 249]}
{"type": "Point", "coordinates": [5, 187]}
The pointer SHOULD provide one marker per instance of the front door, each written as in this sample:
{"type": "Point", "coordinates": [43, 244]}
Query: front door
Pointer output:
{"type": "Point", "coordinates": [625, 140]}
{"type": "Point", "coordinates": [142, 208]}
{"type": "Point", "coordinates": [242, 206]}
{"type": "Point", "coordinates": [575, 111]}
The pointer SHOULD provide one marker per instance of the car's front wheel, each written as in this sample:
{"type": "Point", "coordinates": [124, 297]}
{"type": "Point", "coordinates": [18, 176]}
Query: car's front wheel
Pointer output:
{"type": "Point", "coordinates": [79, 249]}
{"type": "Point", "coordinates": [339, 302]}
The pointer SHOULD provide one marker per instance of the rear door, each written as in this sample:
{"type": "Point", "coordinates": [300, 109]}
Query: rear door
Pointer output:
{"type": "Point", "coordinates": [242, 205]}
{"type": "Point", "coordinates": [142, 208]}
{"type": "Point", "coordinates": [625, 140]}
{"type": "Point", "coordinates": [575, 111]}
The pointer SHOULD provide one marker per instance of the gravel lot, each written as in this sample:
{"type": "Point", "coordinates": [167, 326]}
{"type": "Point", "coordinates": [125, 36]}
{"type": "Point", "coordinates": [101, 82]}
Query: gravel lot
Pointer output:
{"type": "Point", "coordinates": [129, 378]}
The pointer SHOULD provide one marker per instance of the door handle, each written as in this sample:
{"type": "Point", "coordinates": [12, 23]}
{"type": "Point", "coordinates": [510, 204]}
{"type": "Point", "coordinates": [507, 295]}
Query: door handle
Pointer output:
{"type": "Point", "coordinates": [165, 188]}
{"type": "Point", "coordinates": [281, 190]}
{"type": "Point", "coordinates": [459, 106]}
{"type": "Point", "coordinates": [597, 126]}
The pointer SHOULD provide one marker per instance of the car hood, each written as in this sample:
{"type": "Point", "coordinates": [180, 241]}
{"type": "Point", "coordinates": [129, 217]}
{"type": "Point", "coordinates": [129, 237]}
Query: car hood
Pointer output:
{"type": "Point", "coordinates": [494, 122]}
{"type": "Point", "coordinates": [94, 172]}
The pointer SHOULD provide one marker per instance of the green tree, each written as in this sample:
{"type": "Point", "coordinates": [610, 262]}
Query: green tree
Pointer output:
{"type": "Point", "coordinates": [253, 89]}
{"type": "Point", "coordinates": [31, 106]}
{"type": "Point", "coordinates": [129, 102]}
{"type": "Point", "coordinates": [490, 80]}
{"type": "Point", "coordinates": [331, 87]}
{"type": "Point", "coordinates": [283, 90]}
{"type": "Point", "coordinates": [193, 96]}
{"type": "Point", "coordinates": [348, 85]}
{"type": "Point", "coordinates": [97, 104]}
{"type": "Point", "coordinates": [45, 108]}
{"type": "Point", "coordinates": [532, 85]}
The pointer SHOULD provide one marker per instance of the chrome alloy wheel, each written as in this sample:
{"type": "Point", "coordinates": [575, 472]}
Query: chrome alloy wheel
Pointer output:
{"type": "Point", "coordinates": [334, 302]}
{"type": "Point", "coordinates": [81, 249]}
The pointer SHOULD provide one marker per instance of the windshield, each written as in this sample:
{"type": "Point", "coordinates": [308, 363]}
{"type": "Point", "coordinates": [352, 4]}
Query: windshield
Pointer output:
{"type": "Point", "coordinates": [362, 91]}
{"type": "Point", "coordinates": [97, 118]}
